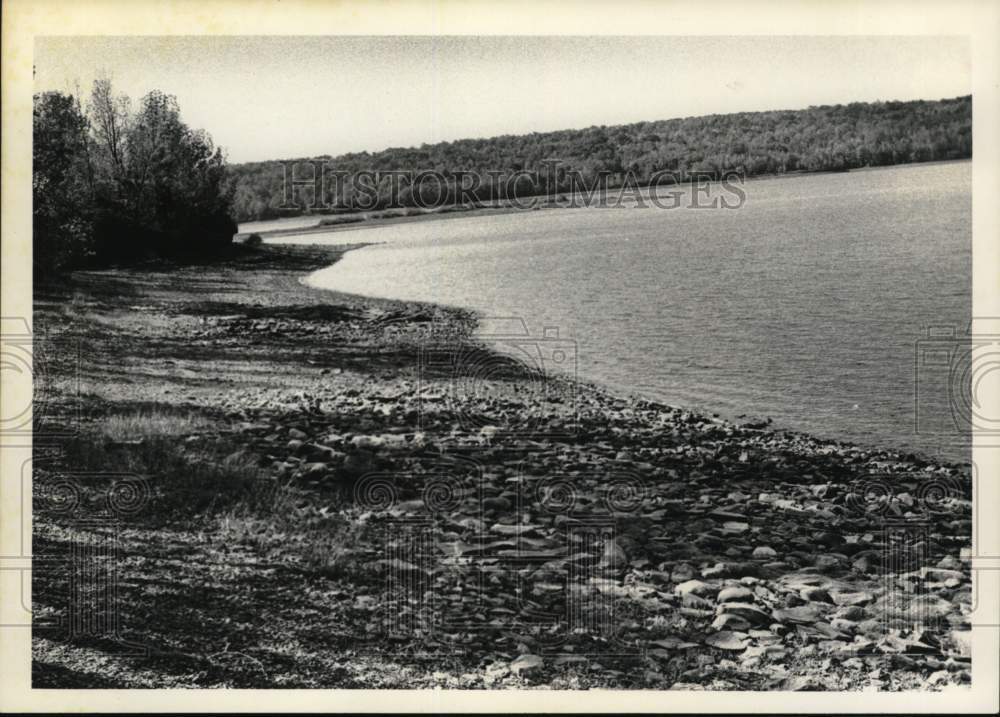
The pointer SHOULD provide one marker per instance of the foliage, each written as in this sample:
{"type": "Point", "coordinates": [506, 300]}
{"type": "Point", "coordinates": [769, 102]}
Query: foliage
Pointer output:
{"type": "Point", "coordinates": [61, 183]}
{"type": "Point", "coordinates": [835, 137]}
{"type": "Point", "coordinates": [112, 184]}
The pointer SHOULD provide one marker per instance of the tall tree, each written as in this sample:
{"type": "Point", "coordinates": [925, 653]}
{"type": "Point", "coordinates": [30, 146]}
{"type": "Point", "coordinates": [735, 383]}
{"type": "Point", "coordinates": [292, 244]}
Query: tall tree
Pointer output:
{"type": "Point", "coordinates": [118, 185]}
{"type": "Point", "coordinates": [62, 216]}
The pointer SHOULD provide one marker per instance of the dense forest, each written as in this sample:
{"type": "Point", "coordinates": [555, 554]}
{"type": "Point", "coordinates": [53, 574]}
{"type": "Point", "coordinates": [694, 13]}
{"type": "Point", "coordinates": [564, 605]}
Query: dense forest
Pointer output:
{"type": "Point", "coordinates": [111, 183]}
{"type": "Point", "coordinates": [834, 138]}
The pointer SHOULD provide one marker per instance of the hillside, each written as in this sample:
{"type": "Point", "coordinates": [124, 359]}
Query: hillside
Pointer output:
{"type": "Point", "coordinates": [834, 137]}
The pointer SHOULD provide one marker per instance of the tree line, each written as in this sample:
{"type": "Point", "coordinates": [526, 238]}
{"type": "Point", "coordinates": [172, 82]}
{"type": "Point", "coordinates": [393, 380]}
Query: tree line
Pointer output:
{"type": "Point", "coordinates": [837, 137]}
{"type": "Point", "coordinates": [113, 183]}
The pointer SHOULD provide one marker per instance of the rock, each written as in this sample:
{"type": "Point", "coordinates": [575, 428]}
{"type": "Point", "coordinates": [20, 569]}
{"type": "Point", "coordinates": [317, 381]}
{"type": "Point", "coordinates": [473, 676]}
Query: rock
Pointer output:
{"type": "Point", "coordinates": [297, 435]}
{"type": "Point", "coordinates": [527, 665]}
{"type": "Point", "coordinates": [752, 655]}
{"type": "Point", "coordinates": [358, 463]}
{"type": "Point", "coordinates": [865, 565]}
{"type": "Point", "coordinates": [725, 515]}
{"type": "Point", "coordinates": [927, 608]}
{"type": "Point", "coordinates": [801, 683]}
{"type": "Point", "coordinates": [963, 640]}
{"type": "Point", "coordinates": [763, 552]}
{"type": "Point", "coordinates": [816, 595]}
{"type": "Point", "coordinates": [716, 571]}
{"type": "Point", "coordinates": [682, 573]}
{"type": "Point", "coordinates": [893, 643]}
{"type": "Point", "coordinates": [731, 570]}
{"type": "Point", "coordinates": [826, 563]}
{"type": "Point", "coordinates": [853, 598]}
{"type": "Point", "coordinates": [822, 630]}
{"type": "Point", "coordinates": [939, 677]}
{"type": "Point", "coordinates": [494, 672]}
{"type": "Point", "coordinates": [940, 575]}
{"type": "Point", "coordinates": [672, 643]}
{"type": "Point", "coordinates": [826, 538]}
{"type": "Point", "coordinates": [950, 562]}
{"type": "Point", "coordinates": [613, 555]}
{"type": "Point", "coordinates": [751, 613]}
{"type": "Point", "coordinates": [852, 613]}
{"type": "Point", "coordinates": [731, 622]}
{"type": "Point", "coordinates": [871, 627]}
{"type": "Point", "coordinates": [369, 442]}
{"type": "Point", "coordinates": [728, 640]}
{"type": "Point", "coordinates": [735, 594]}
{"type": "Point", "coordinates": [695, 587]}
{"type": "Point", "coordinates": [844, 626]}
{"type": "Point", "coordinates": [693, 601]}
{"type": "Point", "coordinates": [313, 470]}
{"type": "Point", "coordinates": [776, 652]}
{"type": "Point", "coordinates": [804, 615]}
{"type": "Point", "coordinates": [496, 504]}
{"type": "Point", "coordinates": [504, 529]}
{"type": "Point", "coordinates": [319, 452]}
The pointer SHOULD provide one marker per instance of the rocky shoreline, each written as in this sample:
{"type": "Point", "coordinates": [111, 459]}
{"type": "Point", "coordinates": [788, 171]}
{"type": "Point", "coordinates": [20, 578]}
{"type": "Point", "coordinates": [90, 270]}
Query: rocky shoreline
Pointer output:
{"type": "Point", "coordinates": [427, 512]}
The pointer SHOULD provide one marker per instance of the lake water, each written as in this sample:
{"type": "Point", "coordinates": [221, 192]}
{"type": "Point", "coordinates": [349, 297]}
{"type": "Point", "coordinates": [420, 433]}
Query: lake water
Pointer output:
{"type": "Point", "coordinates": [806, 305]}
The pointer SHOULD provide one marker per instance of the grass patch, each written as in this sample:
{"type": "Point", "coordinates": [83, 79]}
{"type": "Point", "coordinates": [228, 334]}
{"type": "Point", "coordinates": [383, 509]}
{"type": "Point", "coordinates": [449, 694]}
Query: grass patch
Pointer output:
{"type": "Point", "coordinates": [311, 539]}
{"type": "Point", "coordinates": [186, 479]}
{"type": "Point", "coordinates": [152, 422]}
{"type": "Point", "coordinates": [206, 482]}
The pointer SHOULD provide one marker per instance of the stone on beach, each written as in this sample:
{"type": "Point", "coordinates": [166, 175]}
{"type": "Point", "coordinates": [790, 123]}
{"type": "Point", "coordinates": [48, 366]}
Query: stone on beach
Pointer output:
{"type": "Point", "coordinates": [728, 640]}
{"type": "Point", "coordinates": [527, 665]}
{"type": "Point", "coordinates": [696, 587]}
{"type": "Point", "coordinates": [735, 594]}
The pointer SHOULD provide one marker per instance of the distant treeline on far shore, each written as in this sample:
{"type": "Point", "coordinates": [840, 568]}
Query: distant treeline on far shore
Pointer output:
{"type": "Point", "coordinates": [827, 138]}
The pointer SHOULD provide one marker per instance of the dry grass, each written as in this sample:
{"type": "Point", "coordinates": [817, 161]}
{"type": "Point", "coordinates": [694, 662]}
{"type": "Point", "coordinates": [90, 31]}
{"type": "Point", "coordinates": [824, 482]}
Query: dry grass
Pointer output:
{"type": "Point", "coordinates": [205, 481]}
{"type": "Point", "coordinates": [187, 477]}
{"type": "Point", "coordinates": [311, 539]}
{"type": "Point", "coordinates": [150, 422]}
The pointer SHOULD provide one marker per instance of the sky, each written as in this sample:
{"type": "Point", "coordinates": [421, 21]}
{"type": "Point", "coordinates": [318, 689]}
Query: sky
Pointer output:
{"type": "Point", "coordinates": [289, 97]}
